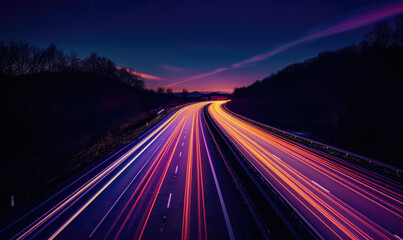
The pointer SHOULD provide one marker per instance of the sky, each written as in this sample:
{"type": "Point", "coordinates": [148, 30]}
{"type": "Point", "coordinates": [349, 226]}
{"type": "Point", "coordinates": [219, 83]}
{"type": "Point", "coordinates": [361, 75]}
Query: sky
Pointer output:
{"type": "Point", "coordinates": [198, 45]}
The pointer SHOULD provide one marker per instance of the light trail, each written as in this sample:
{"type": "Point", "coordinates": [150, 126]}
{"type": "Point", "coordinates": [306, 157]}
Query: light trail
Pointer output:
{"type": "Point", "coordinates": [65, 203]}
{"type": "Point", "coordinates": [223, 207]}
{"type": "Point", "coordinates": [144, 184]}
{"type": "Point", "coordinates": [165, 174]}
{"type": "Point", "coordinates": [133, 218]}
{"type": "Point", "coordinates": [103, 188]}
{"type": "Point", "coordinates": [124, 191]}
{"type": "Point", "coordinates": [188, 188]}
{"type": "Point", "coordinates": [201, 206]}
{"type": "Point", "coordinates": [347, 203]}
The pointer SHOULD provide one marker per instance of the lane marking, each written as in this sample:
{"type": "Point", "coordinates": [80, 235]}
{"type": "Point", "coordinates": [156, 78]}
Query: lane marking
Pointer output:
{"type": "Point", "coordinates": [224, 209]}
{"type": "Point", "coordinates": [81, 177]}
{"type": "Point", "coordinates": [158, 187]}
{"type": "Point", "coordinates": [317, 184]}
{"type": "Point", "coordinates": [169, 200]}
{"type": "Point", "coordinates": [176, 169]}
{"type": "Point", "coordinates": [182, 143]}
{"type": "Point", "coordinates": [75, 196]}
{"type": "Point", "coordinates": [180, 154]}
{"type": "Point", "coordinates": [104, 187]}
{"type": "Point", "coordinates": [184, 137]}
{"type": "Point", "coordinates": [398, 237]}
{"type": "Point", "coordinates": [135, 177]}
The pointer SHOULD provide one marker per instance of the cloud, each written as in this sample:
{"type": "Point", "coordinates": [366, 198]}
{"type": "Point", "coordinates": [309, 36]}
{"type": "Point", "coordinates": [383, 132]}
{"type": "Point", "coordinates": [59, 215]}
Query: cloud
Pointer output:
{"type": "Point", "coordinates": [146, 76]}
{"type": "Point", "coordinates": [143, 75]}
{"type": "Point", "coordinates": [172, 68]}
{"type": "Point", "coordinates": [199, 76]}
{"type": "Point", "coordinates": [358, 20]}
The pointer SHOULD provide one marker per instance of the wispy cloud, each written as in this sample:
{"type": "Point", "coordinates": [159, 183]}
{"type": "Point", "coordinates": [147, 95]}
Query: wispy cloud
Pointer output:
{"type": "Point", "coordinates": [199, 76]}
{"type": "Point", "coordinates": [143, 75]}
{"type": "Point", "coordinates": [172, 68]}
{"type": "Point", "coordinates": [358, 20]}
{"type": "Point", "coordinates": [147, 76]}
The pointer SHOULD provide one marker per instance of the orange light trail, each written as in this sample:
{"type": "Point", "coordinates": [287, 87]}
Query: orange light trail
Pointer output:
{"type": "Point", "coordinates": [153, 181]}
{"type": "Point", "coordinates": [195, 143]}
{"type": "Point", "coordinates": [295, 171]}
{"type": "Point", "coordinates": [145, 183]}
{"type": "Point", "coordinates": [188, 189]}
{"type": "Point", "coordinates": [65, 203]}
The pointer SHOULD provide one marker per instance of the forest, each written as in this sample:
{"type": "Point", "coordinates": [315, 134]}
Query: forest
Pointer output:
{"type": "Point", "coordinates": [56, 105]}
{"type": "Point", "coordinates": [350, 98]}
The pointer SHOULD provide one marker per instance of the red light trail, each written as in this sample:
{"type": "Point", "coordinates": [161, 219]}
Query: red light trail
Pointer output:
{"type": "Point", "coordinates": [339, 200]}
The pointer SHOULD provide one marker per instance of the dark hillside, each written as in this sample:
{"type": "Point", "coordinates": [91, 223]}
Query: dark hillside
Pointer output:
{"type": "Point", "coordinates": [45, 111]}
{"type": "Point", "coordinates": [351, 98]}
{"type": "Point", "coordinates": [54, 107]}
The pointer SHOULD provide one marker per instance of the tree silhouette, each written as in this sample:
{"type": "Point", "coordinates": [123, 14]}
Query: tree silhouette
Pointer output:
{"type": "Point", "coordinates": [381, 35]}
{"type": "Point", "coordinates": [130, 78]}
{"type": "Point", "coordinates": [74, 62]}
{"type": "Point", "coordinates": [398, 34]}
{"type": "Point", "coordinates": [185, 93]}
{"type": "Point", "coordinates": [169, 91]}
{"type": "Point", "coordinates": [161, 90]}
{"type": "Point", "coordinates": [347, 97]}
{"type": "Point", "coordinates": [20, 58]}
{"type": "Point", "coordinates": [53, 59]}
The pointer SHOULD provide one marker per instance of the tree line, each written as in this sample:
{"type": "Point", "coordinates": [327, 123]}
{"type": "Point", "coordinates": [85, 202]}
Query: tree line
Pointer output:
{"type": "Point", "coordinates": [383, 35]}
{"type": "Point", "coordinates": [346, 97]}
{"type": "Point", "coordinates": [20, 58]}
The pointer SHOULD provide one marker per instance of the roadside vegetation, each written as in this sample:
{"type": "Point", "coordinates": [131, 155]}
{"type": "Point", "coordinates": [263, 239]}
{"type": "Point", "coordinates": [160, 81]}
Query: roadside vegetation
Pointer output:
{"type": "Point", "coordinates": [60, 113]}
{"type": "Point", "coordinates": [350, 98]}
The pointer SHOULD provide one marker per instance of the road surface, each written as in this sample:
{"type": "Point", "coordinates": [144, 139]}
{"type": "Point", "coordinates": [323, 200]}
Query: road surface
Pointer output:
{"type": "Point", "coordinates": [171, 184]}
{"type": "Point", "coordinates": [338, 200]}
{"type": "Point", "coordinates": [168, 184]}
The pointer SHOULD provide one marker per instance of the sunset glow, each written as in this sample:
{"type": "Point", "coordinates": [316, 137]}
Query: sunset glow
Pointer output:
{"type": "Point", "coordinates": [356, 21]}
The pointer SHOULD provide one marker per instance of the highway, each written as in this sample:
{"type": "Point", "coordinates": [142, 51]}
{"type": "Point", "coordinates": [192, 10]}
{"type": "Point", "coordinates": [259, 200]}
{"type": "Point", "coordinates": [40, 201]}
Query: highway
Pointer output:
{"type": "Point", "coordinates": [171, 183]}
{"type": "Point", "coordinates": [167, 184]}
{"type": "Point", "coordinates": [336, 199]}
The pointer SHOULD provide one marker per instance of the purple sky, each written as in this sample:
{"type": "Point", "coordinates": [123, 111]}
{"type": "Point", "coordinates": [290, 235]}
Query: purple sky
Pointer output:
{"type": "Point", "coordinates": [198, 45]}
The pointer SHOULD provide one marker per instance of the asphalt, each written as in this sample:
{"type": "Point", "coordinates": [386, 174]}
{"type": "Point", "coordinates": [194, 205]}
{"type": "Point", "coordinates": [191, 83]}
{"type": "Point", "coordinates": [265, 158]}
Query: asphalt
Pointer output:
{"type": "Point", "coordinates": [167, 184]}
{"type": "Point", "coordinates": [170, 183]}
{"type": "Point", "coordinates": [336, 199]}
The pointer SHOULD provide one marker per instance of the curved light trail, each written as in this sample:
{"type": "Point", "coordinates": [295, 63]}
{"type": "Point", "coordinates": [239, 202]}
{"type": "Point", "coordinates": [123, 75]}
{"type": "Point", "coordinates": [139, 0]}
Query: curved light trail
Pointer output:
{"type": "Point", "coordinates": [168, 183]}
{"type": "Point", "coordinates": [166, 173]}
{"type": "Point", "coordinates": [339, 200]}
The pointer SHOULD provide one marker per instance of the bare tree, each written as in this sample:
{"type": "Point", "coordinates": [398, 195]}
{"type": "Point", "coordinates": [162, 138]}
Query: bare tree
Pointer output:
{"type": "Point", "coordinates": [17, 58]}
{"type": "Point", "coordinates": [90, 64]}
{"type": "Point", "coordinates": [160, 90]}
{"type": "Point", "coordinates": [130, 78]}
{"type": "Point", "coordinates": [169, 91]}
{"type": "Point", "coordinates": [398, 34]}
{"type": "Point", "coordinates": [380, 35]}
{"type": "Point", "coordinates": [74, 62]}
{"type": "Point", "coordinates": [97, 64]}
{"type": "Point", "coordinates": [53, 59]}
{"type": "Point", "coordinates": [5, 66]}
{"type": "Point", "coordinates": [185, 93]}
{"type": "Point", "coordinates": [36, 60]}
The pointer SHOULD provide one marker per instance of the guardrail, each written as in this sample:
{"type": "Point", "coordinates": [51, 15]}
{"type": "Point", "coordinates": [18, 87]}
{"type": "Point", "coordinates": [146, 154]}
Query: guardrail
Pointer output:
{"type": "Point", "coordinates": [358, 159]}
{"type": "Point", "coordinates": [160, 111]}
